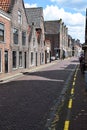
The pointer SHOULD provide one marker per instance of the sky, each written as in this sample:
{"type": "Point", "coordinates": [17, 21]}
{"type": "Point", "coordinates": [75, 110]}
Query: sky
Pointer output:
{"type": "Point", "coordinates": [72, 13]}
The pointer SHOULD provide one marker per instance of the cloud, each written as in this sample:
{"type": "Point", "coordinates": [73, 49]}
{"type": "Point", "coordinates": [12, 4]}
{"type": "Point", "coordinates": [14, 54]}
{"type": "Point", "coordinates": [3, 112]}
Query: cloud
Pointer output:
{"type": "Point", "coordinates": [27, 5]}
{"type": "Point", "coordinates": [75, 4]}
{"type": "Point", "coordinates": [74, 21]}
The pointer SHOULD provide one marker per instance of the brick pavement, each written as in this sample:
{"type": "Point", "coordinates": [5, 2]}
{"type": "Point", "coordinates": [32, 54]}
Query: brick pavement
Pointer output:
{"type": "Point", "coordinates": [18, 73]}
{"type": "Point", "coordinates": [78, 120]}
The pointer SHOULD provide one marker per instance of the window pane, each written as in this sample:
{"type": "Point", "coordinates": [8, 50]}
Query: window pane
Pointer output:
{"type": "Point", "coordinates": [20, 59]}
{"type": "Point", "coordinates": [1, 26]}
{"type": "Point", "coordinates": [19, 17]}
{"type": "Point", "coordinates": [31, 57]}
{"type": "Point", "coordinates": [15, 36]}
{"type": "Point", "coordinates": [14, 59]}
{"type": "Point", "coordinates": [23, 38]}
{"type": "Point", "coordinates": [1, 32]}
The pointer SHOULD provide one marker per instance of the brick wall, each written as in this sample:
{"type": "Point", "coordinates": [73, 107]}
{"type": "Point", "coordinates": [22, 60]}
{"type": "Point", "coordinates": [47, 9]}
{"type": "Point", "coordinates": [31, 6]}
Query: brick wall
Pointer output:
{"type": "Point", "coordinates": [5, 46]}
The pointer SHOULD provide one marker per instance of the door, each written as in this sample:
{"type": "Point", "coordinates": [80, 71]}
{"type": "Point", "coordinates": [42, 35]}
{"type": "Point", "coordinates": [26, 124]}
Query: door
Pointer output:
{"type": "Point", "coordinates": [36, 58]}
{"type": "Point", "coordinates": [25, 59]}
{"type": "Point", "coordinates": [6, 61]}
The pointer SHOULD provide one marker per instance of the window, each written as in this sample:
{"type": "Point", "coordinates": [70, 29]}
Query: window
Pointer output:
{"type": "Point", "coordinates": [14, 57]}
{"type": "Point", "coordinates": [0, 60]}
{"type": "Point", "coordinates": [32, 58]}
{"type": "Point", "coordinates": [33, 41]}
{"type": "Point", "coordinates": [19, 17]}
{"type": "Point", "coordinates": [20, 59]}
{"type": "Point", "coordinates": [23, 38]}
{"type": "Point", "coordinates": [1, 32]}
{"type": "Point", "coordinates": [42, 57]}
{"type": "Point", "coordinates": [15, 36]}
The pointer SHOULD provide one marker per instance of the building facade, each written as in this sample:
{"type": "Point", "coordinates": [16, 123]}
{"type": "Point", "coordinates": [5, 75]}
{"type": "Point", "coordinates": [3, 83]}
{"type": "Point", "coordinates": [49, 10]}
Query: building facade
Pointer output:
{"type": "Point", "coordinates": [19, 36]}
{"type": "Point", "coordinates": [18, 39]}
{"type": "Point", "coordinates": [47, 51]}
{"type": "Point", "coordinates": [57, 33]}
{"type": "Point", "coordinates": [36, 37]}
{"type": "Point", "coordinates": [5, 29]}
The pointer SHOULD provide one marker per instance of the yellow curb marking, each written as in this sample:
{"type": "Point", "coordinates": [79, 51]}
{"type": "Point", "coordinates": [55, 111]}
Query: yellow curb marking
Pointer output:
{"type": "Point", "coordinates": [66, 126]}
{"type": "Point", "coordinates": [74, 78]}
{"type": "Point", "coordinates": [70, 103]}
{"type": "Point", "coordinates": [72, 91]}
{"type": "Point", "coordinates": [73, 83]}
{"type": "Point", "coordinates": [75, 75]}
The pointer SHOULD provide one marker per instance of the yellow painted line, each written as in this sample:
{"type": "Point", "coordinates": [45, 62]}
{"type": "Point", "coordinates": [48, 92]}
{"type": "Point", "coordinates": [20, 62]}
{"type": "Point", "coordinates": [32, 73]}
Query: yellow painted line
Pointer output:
{"type": "Point", "coordinates": [66, 126]}
{"type": "Point", "coordinates": [70, 103]}
{"type": "Point", "coordinates": [75, 75]}
{"type": "Point", "coordinates": [72, 91]}
{"type": "Point", "coordinates": [74, 78]}
{"type": "Point", "coordinates": [73, 83]}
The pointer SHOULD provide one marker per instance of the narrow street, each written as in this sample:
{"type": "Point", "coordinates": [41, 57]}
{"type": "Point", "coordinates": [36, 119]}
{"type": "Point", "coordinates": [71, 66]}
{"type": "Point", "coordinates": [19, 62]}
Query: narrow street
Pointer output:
{"type": "Point", "coordinates": [28, 103]}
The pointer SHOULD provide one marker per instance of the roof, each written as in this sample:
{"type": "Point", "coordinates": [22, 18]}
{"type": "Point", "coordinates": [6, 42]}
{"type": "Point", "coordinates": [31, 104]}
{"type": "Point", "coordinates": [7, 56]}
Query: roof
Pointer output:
{"type": "Point", "coordinates": [52, 27]}
{"type": "Point", "coordinates": [34, 15]}
{"type": "Point", "coordinates": [6, 5]}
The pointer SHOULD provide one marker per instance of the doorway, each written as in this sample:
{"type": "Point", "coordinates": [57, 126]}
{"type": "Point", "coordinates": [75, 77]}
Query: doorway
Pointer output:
{"type": "Point", "coordinates": [25, 55]}
{"type": "Point", "coordinates": [6, 61]}
{"type": "Point", "coordinates": [36, 58]}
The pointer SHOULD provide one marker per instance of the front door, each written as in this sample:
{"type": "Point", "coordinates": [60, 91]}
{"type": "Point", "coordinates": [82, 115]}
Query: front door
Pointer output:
{"type": "Point", "coordinates": [25, 59]}
{"type": "Point", "coordinates": [36, 58]}
{"type": "Point", "coordinates": [6, 61]}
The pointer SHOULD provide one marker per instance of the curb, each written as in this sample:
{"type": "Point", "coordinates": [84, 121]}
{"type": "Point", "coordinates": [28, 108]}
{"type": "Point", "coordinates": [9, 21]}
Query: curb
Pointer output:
{"type": "Point", "coordinates": [19, 74]}
{"type": "Point", "coordinates": [54, 114]}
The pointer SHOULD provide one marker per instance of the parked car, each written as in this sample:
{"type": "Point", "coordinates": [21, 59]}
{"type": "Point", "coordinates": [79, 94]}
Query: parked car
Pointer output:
{"type": "Point", "coordinates": [53, 58]}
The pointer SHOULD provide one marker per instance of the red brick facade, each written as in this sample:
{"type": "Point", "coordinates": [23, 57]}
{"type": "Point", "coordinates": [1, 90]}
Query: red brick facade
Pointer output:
{"type": "Point", "coordinates": [5, 45]}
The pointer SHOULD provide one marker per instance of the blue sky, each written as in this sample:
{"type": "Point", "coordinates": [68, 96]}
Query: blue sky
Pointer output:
{"type": "Point", "coordinates": [72, 13]}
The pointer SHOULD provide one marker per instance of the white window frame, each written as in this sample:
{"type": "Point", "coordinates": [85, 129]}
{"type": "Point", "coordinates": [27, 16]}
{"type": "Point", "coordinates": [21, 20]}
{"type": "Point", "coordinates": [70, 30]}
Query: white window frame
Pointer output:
{"type": "Point", "coordinates": [19, 17]}
{"type": "Point", "coordinates": [32, 58]}
{"type": "Point", "coordinates": [20, 59]}
{"type": "Point", "coordinates": [3, 31]}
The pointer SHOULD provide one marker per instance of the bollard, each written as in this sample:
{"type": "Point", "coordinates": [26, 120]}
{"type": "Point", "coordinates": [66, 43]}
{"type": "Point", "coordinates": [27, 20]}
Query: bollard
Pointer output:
{"type": "Point", "coordinates": [86, 80]}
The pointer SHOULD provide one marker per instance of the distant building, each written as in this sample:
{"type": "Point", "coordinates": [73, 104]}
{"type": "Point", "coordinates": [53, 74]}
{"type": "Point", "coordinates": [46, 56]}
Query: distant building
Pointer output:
{"type": "Point", "coordinates": [47, 51]}
{"type": "Point", "coordinates": [70, 46]}
{"type": "Point", "coordinates": [57, 33]}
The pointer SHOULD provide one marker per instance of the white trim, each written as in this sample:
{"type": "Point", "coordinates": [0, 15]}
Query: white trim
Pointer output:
{"type": "Point", "coordinates": [5, 15]}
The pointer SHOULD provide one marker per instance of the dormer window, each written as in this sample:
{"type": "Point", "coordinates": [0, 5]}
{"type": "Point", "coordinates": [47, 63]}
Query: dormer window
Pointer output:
{"type": "Point", "coordinates": [19, 17]}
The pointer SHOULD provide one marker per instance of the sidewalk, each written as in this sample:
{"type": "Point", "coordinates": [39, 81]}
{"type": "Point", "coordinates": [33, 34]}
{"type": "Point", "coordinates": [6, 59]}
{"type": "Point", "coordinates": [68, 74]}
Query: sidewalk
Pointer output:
{"type": "Point", "coordinates": [15, 74]}
{"type": "Point", "coordinates": [78, 120]}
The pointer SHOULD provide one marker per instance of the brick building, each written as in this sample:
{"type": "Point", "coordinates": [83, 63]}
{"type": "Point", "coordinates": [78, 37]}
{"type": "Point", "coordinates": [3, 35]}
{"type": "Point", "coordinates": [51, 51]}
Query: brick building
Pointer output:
{"type": "Point", "coordinates": [5, 27]}
{"type": "Point", "coordinates": [19, 36]}
{"type": "Point", "coordinates": [19, 57]}
{"type": "Point", "coordinates": [36, 37]}
{"type": "Point", "coordinates": [47, 51]}
{"type": "Point", "coordinates": [57, 33]}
